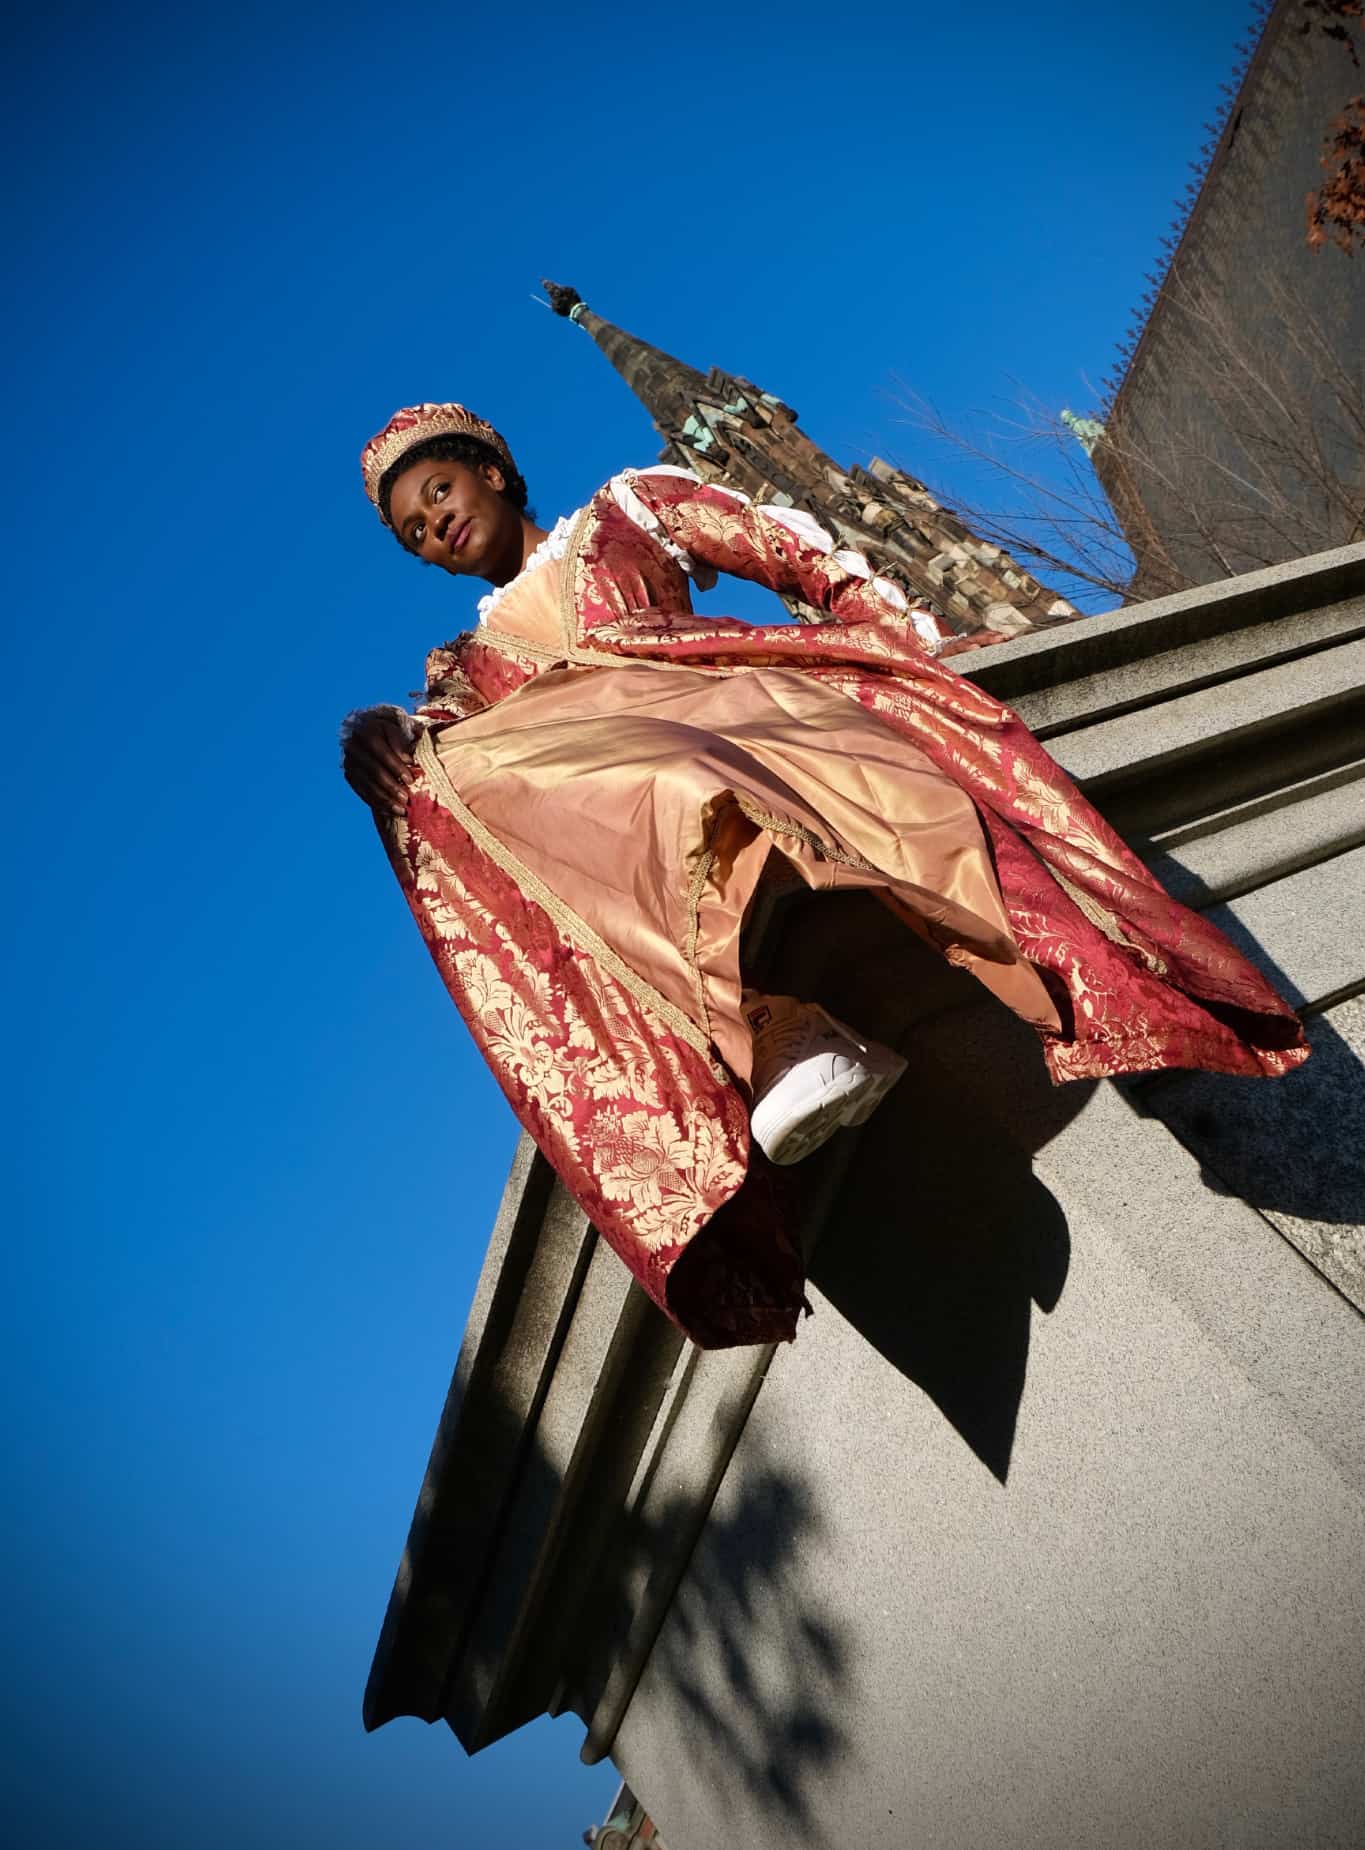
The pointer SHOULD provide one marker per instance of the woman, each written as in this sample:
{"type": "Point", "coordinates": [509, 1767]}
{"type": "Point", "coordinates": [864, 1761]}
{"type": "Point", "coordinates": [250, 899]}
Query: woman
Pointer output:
{"type": "Point", "coordinates": [580, 812]}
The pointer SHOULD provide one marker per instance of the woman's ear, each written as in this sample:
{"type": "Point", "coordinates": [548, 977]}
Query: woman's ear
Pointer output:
{"type": "Point", "coordinates": [494, 477]}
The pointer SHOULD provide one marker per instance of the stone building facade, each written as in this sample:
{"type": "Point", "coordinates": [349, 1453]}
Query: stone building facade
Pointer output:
{"type": "Point", "coordinates": [628, 1826]}
{"type": "Point", "coordinates": [733, 432]}
{"type": "Point", "coordinates": [1235, 436]}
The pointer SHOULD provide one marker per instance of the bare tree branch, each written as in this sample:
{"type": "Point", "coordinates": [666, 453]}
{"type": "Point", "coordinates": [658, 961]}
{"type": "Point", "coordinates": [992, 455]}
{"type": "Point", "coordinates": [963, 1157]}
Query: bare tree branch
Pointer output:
{"type": "Point", "coordinates": [1253, 454]}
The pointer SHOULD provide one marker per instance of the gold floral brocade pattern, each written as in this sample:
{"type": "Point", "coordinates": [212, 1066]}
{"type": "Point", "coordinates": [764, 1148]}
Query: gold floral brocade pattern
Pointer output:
{"type": "Point", "coordinates": [634, 1120]}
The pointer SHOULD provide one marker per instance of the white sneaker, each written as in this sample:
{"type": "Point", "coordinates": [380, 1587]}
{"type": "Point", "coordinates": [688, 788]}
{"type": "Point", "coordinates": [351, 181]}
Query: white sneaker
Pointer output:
{"type": "Point", "coordinates": [812, 1075]}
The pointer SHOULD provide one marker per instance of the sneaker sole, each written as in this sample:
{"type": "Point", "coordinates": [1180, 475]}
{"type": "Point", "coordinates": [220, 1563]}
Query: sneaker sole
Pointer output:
{"type": "Point", "coordinates": [847, 1103]}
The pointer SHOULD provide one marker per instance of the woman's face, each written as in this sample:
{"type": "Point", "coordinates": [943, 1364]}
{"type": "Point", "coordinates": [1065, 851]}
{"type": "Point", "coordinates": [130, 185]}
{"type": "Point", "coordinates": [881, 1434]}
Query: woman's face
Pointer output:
{"type": "Point", "coordinates": [458, 518]}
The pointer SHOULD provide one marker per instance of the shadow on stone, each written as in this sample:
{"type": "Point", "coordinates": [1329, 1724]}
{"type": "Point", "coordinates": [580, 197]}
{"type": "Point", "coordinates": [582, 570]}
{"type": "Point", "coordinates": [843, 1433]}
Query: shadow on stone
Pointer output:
{"type": "Point", "coordinates": [942, 1277]}
{"type": "Point", "coordinates": [938, 1240]}
{"type": "Point", "coordinates": [1294, 1146]}
{"type": "Point", "coordinates": [561, 1500]}
{"type": "Point", "coordinates": [755, 1669]}
{"type": "Point", "coordinates": [761, 1675]}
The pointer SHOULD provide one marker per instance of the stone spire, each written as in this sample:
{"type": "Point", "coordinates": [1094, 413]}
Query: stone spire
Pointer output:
{"type": "Point", "coordinates": [732, 432]}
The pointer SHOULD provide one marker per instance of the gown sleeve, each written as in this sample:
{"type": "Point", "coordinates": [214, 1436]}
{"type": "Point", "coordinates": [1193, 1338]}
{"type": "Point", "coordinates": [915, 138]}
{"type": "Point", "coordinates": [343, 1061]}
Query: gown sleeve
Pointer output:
{"type": "Point", "coordinates": [707, 528]}
{"type": "Point", "coordinates": [449, 695]}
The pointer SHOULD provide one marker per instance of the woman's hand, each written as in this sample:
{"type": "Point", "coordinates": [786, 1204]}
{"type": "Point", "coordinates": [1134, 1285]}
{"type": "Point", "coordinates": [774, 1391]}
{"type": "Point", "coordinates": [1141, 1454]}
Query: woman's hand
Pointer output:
{"type": "Point", "coordinates": [376, 756]}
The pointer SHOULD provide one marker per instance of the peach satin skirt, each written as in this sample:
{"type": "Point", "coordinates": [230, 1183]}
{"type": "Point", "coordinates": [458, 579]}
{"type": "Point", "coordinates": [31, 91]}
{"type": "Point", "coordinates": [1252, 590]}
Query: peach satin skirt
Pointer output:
{"type": "Point", "coordinates": [648, 801]}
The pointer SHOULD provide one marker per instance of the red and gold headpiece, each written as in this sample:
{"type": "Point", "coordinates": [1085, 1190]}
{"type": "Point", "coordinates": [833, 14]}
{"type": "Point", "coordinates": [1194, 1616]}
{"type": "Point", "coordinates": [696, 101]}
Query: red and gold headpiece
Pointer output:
{"type": "Point", "coordinates": [413, 425]}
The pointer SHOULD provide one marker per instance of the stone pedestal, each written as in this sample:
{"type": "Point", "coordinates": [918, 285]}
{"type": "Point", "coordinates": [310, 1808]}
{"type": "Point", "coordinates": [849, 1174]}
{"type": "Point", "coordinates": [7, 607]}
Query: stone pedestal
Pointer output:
{"type": "Point", "coordinates": [1048, 1529]}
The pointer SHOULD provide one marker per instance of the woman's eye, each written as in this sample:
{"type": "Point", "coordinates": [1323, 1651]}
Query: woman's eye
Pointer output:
{"type": "Point", "coordinates": [439, 493]}
{"type": "Point", "coordinates": [419, 533]}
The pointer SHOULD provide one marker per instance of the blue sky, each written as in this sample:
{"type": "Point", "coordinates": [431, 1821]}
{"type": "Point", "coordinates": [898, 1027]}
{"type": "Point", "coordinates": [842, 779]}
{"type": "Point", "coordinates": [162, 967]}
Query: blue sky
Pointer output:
{"type": "Point", "coordinates": [255, 1160]}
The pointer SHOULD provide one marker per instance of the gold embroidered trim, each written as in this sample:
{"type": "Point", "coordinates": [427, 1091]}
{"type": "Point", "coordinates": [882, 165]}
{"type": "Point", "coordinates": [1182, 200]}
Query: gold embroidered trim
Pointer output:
{"type": "Point", "coordinates": [701, 873]}
{"type": "Point", "coordinates": [1106, 922]}
{"type": "Point", "coordinates": [568, 581]}
{"type": "Point", "coordinates": [783, 825]}
{"type": "Point", "coordinates": [512, 646]}
{"type": "Point", "coordinates": [507, 644]}
{"type": "Point", "coordinates": [606, 658]}
{"type": "Point", "coordinates": [577, 930]}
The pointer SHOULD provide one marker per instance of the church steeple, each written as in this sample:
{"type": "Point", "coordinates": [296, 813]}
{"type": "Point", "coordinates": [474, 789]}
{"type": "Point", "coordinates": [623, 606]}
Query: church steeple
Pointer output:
{"type": "Point", "coordinates": [732, 432]}
{"type": "Point", "coordinates": [667, 388]}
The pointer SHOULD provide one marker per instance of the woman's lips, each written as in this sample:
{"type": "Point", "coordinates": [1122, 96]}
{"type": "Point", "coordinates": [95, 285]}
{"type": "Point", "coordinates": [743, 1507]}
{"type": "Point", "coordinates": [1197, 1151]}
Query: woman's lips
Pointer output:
{"type": "Point", "coordinates": [458, 535]}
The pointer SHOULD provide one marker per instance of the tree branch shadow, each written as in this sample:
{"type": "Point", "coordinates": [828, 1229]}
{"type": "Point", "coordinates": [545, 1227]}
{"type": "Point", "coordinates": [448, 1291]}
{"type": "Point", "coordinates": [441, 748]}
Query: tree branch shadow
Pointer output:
{"type": "Point", "coordinates": [761, 1673]}
{"type": "Point", "coordinates": [750, 1668]}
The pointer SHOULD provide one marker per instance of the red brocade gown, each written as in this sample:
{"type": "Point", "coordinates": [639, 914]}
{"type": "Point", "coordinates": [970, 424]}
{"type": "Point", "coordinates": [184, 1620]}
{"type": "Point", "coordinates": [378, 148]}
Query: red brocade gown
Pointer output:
{"type": "Point", "coordinates": [601, 776]}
